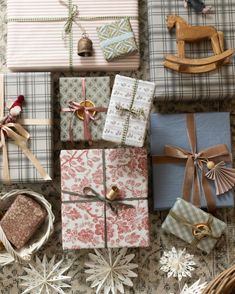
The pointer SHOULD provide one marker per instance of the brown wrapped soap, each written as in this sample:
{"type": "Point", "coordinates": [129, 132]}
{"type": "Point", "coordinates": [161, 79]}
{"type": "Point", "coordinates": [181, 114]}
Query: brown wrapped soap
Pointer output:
{"type": "Point", "coordinates": [21, 220]}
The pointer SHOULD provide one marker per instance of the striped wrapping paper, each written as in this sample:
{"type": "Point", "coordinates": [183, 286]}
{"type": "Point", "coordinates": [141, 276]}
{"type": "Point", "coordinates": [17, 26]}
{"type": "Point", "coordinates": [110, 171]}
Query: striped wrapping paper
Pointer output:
{"type": "Point", "coordinates": [36, 87]}
{"type": "Point", "coordinates": [171, 85]}
{"type": "Point", "coordinates": [40, 45]}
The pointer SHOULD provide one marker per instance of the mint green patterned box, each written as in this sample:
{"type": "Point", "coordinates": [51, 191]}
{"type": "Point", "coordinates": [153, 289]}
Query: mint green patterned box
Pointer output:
{"type": "Point", "coordinates": [117, 39]}
{"type": "Point", "coordinates": [97, 90]}
{"type": "Point", "coordinates": [193, 225]}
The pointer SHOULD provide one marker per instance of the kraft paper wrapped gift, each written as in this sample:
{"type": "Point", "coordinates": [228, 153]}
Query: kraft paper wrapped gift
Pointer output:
{"type": "Point", "coordinates": [194, 225]}
{"type": "Point", "coordinates": [170, 85]}
{"type": "Point", "coordinates": [211, 129]}
{"type": "Point", "coordinates": [36, 119]}
{"type": "Point", "coordinates": [117, 39]}
{"type": "Point", "coordinates": [74, 91]}
{"type": "Point", "coordinates": [88, 221]}
{"type": "Point", "coordinates": [128, 112]}
{"type": "Point", "coordinates": [37, 38]}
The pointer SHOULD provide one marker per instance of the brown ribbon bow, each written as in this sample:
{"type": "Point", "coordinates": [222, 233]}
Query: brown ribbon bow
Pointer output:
{"type": "Point", "coordinates": [194, 163]}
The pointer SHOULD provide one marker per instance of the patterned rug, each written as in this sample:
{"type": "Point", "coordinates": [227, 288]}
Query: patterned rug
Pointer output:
{"type": "Point", "coordinates": [150, 279]}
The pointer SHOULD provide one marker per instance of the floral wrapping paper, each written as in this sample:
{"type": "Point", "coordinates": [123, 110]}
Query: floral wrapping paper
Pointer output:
{"type": "Point", "coordinates": [83, 222]}
{"type": "Point", "coordinates": [98, 91]}
{"type": "Point", "coordinates": [193, 215]}
{"type": "Point", "coordinates": [125, 127]}
{"type": "Point", "coordinates": [117, 39]}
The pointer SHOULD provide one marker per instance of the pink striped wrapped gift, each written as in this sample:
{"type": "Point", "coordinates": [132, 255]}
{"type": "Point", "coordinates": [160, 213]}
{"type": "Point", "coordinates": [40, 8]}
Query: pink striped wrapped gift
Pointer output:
{"type": "Point", "coordinates": [37, 38]}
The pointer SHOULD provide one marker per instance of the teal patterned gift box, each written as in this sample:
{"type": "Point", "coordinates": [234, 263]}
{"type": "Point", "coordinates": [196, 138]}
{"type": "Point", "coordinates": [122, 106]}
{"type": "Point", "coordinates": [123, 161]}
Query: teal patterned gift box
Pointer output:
{"type": "Point", "coordinates": [73, 92]}
{"type": "Point", "coordinates": [194, 225]}
{"type": "Point", "coordinates": [117, 39]}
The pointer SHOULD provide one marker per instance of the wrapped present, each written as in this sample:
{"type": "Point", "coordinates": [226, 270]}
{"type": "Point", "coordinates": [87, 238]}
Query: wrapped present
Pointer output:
{"type": "Point", "coordinates": [104, 198]}
{"type": "Point", "coordinates": [193, 225]}
{"type": "Point", "coordinates": [21, 220]}
{"type": "Point", "coordinates": [128, 112]}
{"type": "Point", "coordinates": [27, 140]}
{"type": "Point", "coordinates": [187, 149]}
{"type": "Point", "coordinates": [170, 85]}
{"type": "Point", "coordinates": [84, 103]}
{"type": "Point", "coordinates": [55, 34]}
{"type": "Point", "coordinates": [117, 39]}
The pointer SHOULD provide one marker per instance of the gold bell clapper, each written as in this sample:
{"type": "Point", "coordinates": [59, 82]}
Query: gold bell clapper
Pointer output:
{"type": "Point", "coordinates": [85, 46]}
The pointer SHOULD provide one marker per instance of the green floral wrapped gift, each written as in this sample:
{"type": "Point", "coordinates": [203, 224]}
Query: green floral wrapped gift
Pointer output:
{"type": "Point", "coordinates": [117, 39]}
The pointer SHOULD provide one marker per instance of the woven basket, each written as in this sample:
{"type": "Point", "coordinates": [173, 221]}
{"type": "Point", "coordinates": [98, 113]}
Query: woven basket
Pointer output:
{"type": "Point", "coordinates": [224, 283]}
{"type": "Point", "coordinates": [40, 237]}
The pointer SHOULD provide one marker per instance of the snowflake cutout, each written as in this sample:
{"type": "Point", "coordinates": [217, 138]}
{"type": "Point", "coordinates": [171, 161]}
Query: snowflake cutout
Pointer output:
{"type": "Point", "coordinates": [195, 288]}
{"type": "Point", "coordinates": [110, 270]}
{"type": "Point", "coordinates": [177, 264]}
{"type": "Point", "coordinates": [45, 277]}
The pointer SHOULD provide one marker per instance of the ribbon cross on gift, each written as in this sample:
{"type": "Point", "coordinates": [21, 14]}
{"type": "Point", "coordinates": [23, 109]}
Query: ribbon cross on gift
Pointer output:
{"type": "Point", "coordinates": [83, 112]}
{"type": "Point", "coordinates": [195, 161]}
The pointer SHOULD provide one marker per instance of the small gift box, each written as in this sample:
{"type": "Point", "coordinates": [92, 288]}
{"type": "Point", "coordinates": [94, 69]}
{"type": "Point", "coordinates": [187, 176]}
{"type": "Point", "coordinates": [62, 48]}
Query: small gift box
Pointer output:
{"type": "Point", "coordinates": [193, 225]}
{"type": "Point", "coordinates": [27, 140]}
{"type": "Point", "coordinates": [21, 220]}
{"type": "Point", "coordinates": [117, 39]}
{"type": "Point", "coordinates": [128, 112]}
{"type": "Point", "coordinates": [104, 198]}
{"type": "Point", "coordinates": [84, 103]}
{"type": "Point", "coordinates": [191, 155]}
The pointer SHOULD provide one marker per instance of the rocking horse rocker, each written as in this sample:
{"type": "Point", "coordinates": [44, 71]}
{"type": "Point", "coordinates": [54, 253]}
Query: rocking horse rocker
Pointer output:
{"type": "Point", "coordinates": [188, 33]}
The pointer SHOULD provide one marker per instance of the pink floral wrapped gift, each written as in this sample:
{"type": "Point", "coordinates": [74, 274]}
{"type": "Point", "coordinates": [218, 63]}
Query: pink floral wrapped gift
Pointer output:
{"type": "Point", "coordinates": [90, 217]}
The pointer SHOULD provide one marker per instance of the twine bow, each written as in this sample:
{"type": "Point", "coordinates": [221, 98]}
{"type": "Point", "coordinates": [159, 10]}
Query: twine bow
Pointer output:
{"type": "Point", "coordinates": [199, 231]}
{"type": "Point", "coordinates": [74, 107]}
{"type": "Point", "coordinates": [194, 163]}
{"type": "Point", "coordinates": [136, 113]}
{"type": "Point", "coordinates": [89, 192]}
{"type": "Point", "coordinates": [73, 12]}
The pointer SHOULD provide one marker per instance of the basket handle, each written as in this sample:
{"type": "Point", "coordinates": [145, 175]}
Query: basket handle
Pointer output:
{"type": "Point", "coordinates": [17, 257]}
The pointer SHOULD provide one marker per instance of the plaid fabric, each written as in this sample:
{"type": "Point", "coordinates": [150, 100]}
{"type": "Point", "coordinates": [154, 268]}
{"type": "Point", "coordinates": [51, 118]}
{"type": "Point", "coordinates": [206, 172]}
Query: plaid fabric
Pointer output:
{"type": "Point", "coordinates": [36, 87]}
{"type": "Point", "coordinates": [193, 215]}
{"type": "Point", "coordinates": [171, 85]}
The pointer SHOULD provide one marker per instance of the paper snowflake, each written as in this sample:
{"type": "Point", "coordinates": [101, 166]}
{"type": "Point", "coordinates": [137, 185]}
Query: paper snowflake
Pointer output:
{"type": "Point", "coordinates": [110, 269]}
{"type": "Point", "coordinates": [195, 288]}
{"type": "Point", "coordinates": [45, 277]}
{"type": "Point", "coordinates": [178, 264]}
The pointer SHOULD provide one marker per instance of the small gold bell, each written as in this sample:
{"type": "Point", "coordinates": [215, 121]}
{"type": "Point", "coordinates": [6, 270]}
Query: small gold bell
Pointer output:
{"type": "Point", "coordinates": [210, 164]}
{"type": "Point", "coordinates": [84, 46]}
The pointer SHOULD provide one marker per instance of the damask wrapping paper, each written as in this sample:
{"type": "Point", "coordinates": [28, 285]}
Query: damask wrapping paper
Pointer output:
{"type": "Point", "coordinates": [170, 129]}
{"type": "Point", "coordinates": [97, 90]}
{"type": "Point", "coordinates": [36, 88]}
{"type": "Point", "coordinates": [117, 39]}
{"type": "Point", "coordinates": [171, 85]}
{"type": "Point", "coordinates": [39, 41]}
{"type": "Point", "coordinates": [128, 113]}
{"type": "Point", "coordinates": [90, 223]}
{"type": "Point", "coordinates": [194, 216]}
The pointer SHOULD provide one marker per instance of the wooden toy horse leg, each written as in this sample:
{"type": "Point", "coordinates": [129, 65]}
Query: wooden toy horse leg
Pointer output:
{"type": "Point", "coordinates": [221, 42]}
{"type": "Point", "coordinates": [180, 46]}
{"type": "Point", "coordinates": [216, 44]}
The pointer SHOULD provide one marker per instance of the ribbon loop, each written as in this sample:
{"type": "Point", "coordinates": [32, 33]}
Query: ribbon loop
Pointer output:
{"type": "Point", "coordinates": [136, 113]}
{"type": "Point", "coordinates": [73, 12]}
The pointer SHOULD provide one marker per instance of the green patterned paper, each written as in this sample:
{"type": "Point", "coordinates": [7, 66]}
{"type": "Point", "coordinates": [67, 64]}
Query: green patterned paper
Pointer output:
{"type": "Point", "coordinates": [97, 91]}
{"type": "Point", "coordinates": [117, 39]}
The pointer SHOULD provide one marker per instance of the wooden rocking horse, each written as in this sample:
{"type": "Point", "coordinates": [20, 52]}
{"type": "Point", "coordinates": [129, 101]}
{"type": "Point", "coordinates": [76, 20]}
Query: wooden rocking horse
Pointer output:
{"type": "Point", "coordinates": [188, 33]}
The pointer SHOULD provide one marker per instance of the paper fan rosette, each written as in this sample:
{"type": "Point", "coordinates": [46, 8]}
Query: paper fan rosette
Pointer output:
{"type": "Point", "coordinates": [110, 269]}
